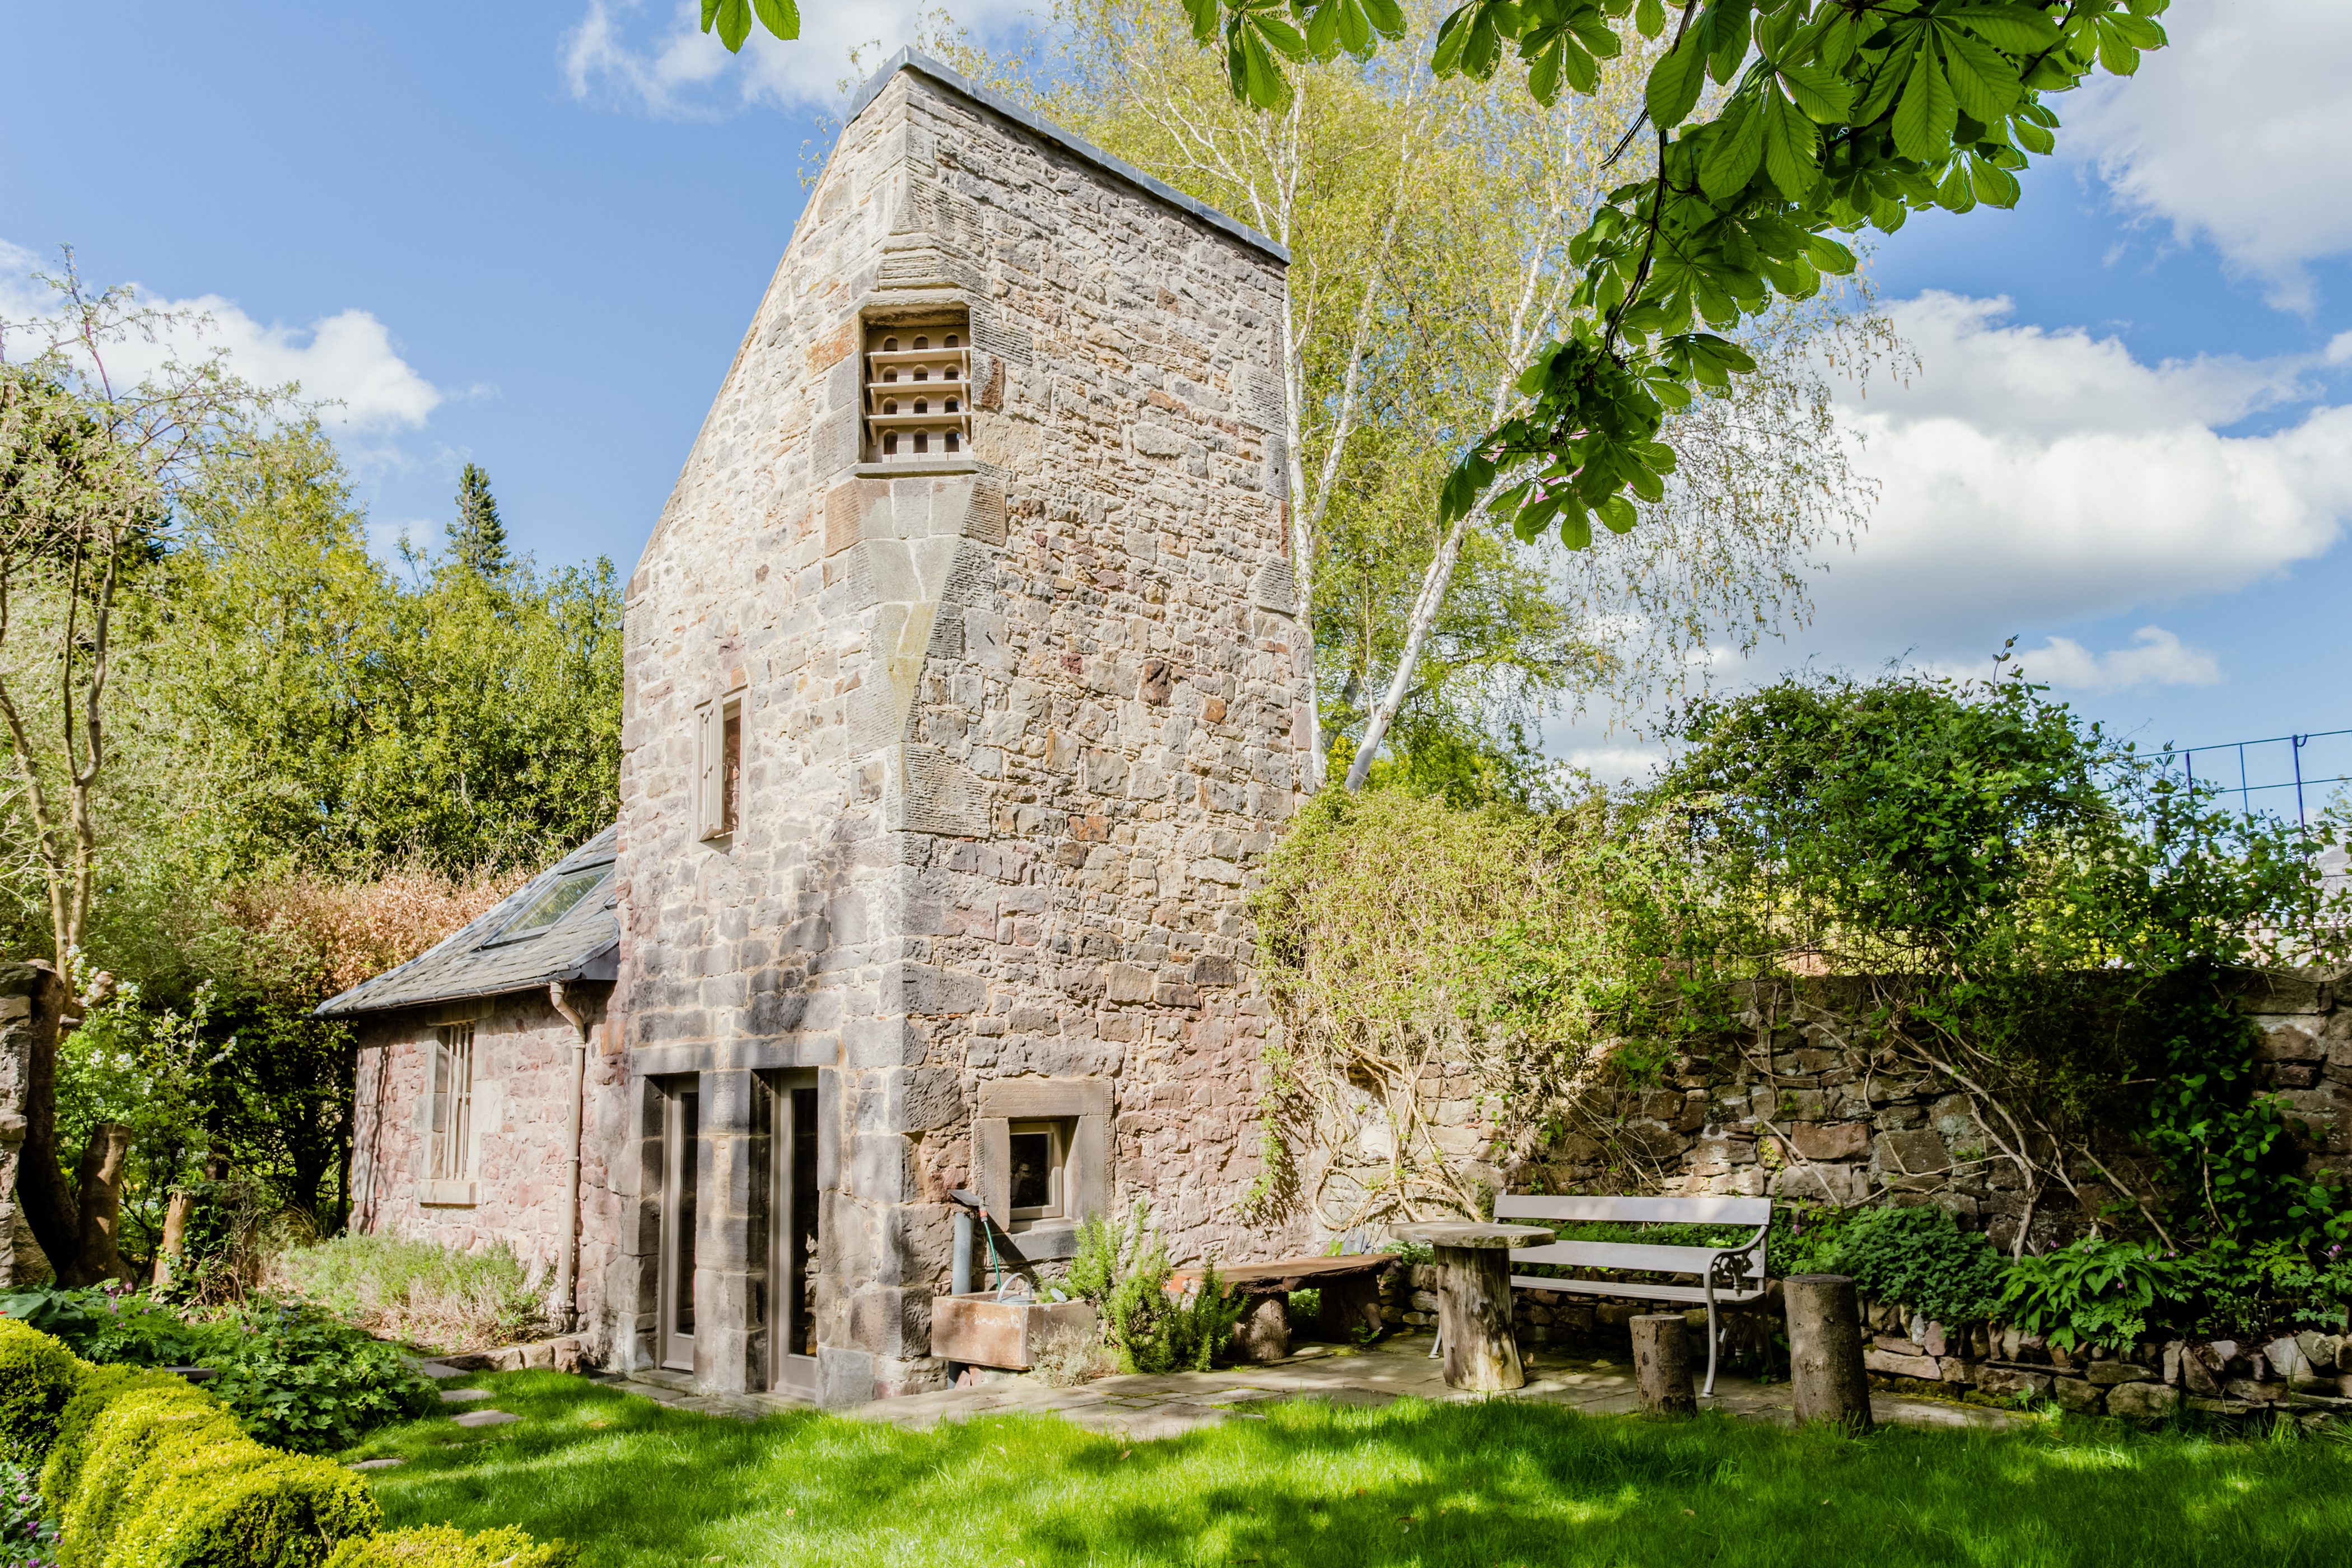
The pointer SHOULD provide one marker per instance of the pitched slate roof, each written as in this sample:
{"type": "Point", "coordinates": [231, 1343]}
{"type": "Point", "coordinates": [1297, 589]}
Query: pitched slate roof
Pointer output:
{"type": "Point", "coordinates": [579, 942]}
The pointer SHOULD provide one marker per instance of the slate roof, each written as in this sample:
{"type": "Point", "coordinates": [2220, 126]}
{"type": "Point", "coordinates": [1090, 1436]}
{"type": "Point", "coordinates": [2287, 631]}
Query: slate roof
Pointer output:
{"type": "Point", "coordinates": [581, 943]}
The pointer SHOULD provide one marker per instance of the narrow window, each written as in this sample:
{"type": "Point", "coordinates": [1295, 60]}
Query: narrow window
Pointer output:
{"type": "Point", "coordinates": [950, 373]}
{"type": "Point", "coordinates": [450, 1159]}
{"type": "Point", "coordinates": [922, 374]}
{"type": "Point", "coordinates": [718, 745]}
{"type": "Point", "coordinates": [921, 343]}
{"type": "Point", "coordinates": [951, 406]}
{"type": "Point", "coordinates": [889, 443]}
{"type": "Point", "coordinates": [951, 340]}
{"type": "Point", "coordinates": [922, 405]}
{"type": "Point", "coordinates": [953, 445]}
{"type": "Point", "coordinates": [889, 376]}
{"type": "Point", "coordinates": [922, 441]}
{"type": "Point", "coordinates": [1041, 1158]}
{"type": "Point", "coordinates": [891, 406]}
{"type": "Point", "coordinates": [889, 345]}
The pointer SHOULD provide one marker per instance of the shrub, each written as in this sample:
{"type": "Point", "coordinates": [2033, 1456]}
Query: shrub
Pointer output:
{"type": "Point", "coordinates": [28, 1539]}
{"type": "Point", "coordinates": [442, 1546]}
{"type": "Point", "coordinates": [302, 1380]}
{"type": "Point", "coordinates": [100, 1387]}
{"type": "Point", "coordinates": [1123, 1269]}
{"type": "Point", "coordinates": [1921, 1257]}
{"type": "Point", "coordinates": [416, 1290]}
{"type": "Point", "coordinates": [148, 1472]}
{"type": "Point", "coordinates": [238, 1503]}
{"type": "Point", "coordinates": [38, 1376]}
{"type": "Point", "coordinates": [109, 1324]}
{"type": "Point", "coordinates": [2094, 1292]}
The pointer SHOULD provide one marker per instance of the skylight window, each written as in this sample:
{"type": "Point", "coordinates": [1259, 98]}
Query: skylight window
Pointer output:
{"type": "Point", "coordinates": [554, 904]}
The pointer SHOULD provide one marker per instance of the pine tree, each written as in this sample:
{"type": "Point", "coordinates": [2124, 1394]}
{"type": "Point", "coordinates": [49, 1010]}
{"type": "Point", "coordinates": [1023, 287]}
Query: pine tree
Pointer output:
{"type": "Point", "coordinates": [477, 536]}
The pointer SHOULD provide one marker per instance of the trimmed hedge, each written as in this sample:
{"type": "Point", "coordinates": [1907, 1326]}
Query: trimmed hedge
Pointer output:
{"type": "Point", "coordinates": [146, 1471]}
{"type": "Point", "coordinates": [37, 1377]}
{"type": "Point", "coordinates": [442, 1546]}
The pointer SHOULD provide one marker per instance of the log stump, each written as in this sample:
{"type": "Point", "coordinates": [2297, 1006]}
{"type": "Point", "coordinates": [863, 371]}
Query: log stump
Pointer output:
{"type": "Point", "coordinates": [1263, 1333]}
{"type": "Point", "coordinates": [1662, 1364]}
{"type": "Point", "coordinates": [1825, 1368]}
{"type": "Point", "coordinates": [1474, 1301]}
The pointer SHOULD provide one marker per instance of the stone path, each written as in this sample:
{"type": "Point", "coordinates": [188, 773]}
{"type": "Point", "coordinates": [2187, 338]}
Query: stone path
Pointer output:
{"type": "Point", "coordinates": [1144, 1407]}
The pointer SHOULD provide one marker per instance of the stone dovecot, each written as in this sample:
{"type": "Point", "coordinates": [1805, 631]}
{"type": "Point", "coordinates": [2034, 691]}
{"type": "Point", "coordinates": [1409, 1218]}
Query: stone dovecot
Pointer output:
{"type": "Point", "coordinates": [964, 690]}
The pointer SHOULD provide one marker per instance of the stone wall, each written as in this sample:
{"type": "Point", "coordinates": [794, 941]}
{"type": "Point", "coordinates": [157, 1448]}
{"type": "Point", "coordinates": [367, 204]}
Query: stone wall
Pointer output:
{"type": "Point", "coordinates": [1016, 726]}
{"type": "Point", "coordinates": [20, 1256]}
{"type": "Point", "coordinates": [1800, 1104]}
{"type": "Point", "coordinates": [521, 1131]}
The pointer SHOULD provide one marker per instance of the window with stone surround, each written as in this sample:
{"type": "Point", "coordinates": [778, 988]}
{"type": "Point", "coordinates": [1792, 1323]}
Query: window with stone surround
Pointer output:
{"type": "Point", "coordinates": [919, 389]}
{"type": "Point", "coordinates": [1041, 1159]}
{"type": "Point", "coordinates": [718, 766]}
{"type": "Point", "coordinates": [449, 1155]}
{"type": "Point", "coordinates": [1039, 1174]}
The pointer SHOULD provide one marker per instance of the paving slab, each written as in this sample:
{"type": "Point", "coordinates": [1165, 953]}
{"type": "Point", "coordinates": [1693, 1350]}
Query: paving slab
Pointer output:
{"type": "Point", "coordinates": [438, 1370]}
{"type": "Point", "coordinates": [376, 1464]}
{"type": "Point", "coordinates": [485, 1418]}
{"type": "Point", "coordinates": [465, 1395]}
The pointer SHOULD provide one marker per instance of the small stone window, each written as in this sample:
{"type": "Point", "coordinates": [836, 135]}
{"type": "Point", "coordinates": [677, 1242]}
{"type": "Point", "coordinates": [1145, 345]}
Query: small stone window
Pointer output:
{"type": "Point", "coordinates": [719, 755]}
{"type": "Point", "coordinates": [901, 430]}
{"type": "Point", "coordinates": [1039, 1174]}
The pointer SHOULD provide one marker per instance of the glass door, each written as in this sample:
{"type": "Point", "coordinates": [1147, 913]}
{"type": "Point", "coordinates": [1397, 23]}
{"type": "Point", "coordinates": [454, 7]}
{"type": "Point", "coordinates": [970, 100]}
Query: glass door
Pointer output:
{"type": "Point", "coordinates": [792, 1263]}
{"type": "Point", "coordinates": [681, 1159]}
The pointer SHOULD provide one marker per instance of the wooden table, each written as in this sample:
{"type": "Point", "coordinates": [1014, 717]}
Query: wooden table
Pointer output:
{"type": "Point", "coordinates": [1349, 1284]}
{"type": "Point", "coordinates": [1474, 1300]}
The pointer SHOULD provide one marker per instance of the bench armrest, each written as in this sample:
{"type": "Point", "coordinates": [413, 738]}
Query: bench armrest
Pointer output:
{"type": "Point", "coordinates": [1725, 1270]}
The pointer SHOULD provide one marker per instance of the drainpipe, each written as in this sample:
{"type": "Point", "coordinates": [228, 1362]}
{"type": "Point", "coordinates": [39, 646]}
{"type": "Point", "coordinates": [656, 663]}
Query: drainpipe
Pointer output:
{"type": "Point", "coordinates": [567, 1254]}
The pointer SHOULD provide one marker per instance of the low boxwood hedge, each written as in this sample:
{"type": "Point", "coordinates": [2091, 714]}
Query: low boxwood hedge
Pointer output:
{"type": "Point", "coordinates": [443, 1546]}
{"type": "Point", "coordinates": [142, 1471]}
{"type": "Point", "coordinates": [37, 1377]}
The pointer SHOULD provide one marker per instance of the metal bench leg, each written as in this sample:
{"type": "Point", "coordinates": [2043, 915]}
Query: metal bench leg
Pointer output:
{"type": "Point", "coordinates": [1708, 1393]}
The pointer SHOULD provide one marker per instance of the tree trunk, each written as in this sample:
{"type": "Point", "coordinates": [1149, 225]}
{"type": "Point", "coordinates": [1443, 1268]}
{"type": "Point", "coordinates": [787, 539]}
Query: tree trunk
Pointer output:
{"type": "Point", "coordinates": [50, 1206]}
{"type": "Point", "coordinates": [176, 1236]}
{"type": "Point", "coordinates": [98, 1255]}
{"type": "Point", "coordinates": [1825, 1366]}
{"type": "Point", "coordinates": [1474, 1312]}
{"type": "Point", "coordinates": [1662, 1364]}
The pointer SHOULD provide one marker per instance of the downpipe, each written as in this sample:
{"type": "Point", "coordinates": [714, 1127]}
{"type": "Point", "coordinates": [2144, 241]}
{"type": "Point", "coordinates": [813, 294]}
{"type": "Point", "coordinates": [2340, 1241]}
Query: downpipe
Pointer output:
{"type": "Point", "coordinates": [567, 1254]}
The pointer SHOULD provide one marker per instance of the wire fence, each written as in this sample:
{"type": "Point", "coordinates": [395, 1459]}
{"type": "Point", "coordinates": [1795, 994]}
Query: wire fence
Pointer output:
{"type": "Point", "coordinates": [2267, 773]}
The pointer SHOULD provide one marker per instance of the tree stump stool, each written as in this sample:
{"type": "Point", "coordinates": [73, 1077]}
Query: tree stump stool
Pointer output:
{"type": "Point", "coordinates": [1825, 1369]}
{"type": "Point", "coordinates": [1662, 1364]}
{"type": "Point", "coordinates": [1474, 1300]}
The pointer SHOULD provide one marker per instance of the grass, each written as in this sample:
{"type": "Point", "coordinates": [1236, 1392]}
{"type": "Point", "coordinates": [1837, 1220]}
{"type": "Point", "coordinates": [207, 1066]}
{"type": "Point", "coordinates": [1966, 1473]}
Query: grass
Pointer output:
{"type": "Point", "coordinates": [416, 1291]}
{"type": "Point", "coordinates": [1501, 1483]}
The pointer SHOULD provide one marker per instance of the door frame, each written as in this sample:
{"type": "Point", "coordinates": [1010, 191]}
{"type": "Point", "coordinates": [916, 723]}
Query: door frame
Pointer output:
{"type": "Point", "coordinates": [789, 1371]}
{"type": "Point", "coordinates": [673, 1349]}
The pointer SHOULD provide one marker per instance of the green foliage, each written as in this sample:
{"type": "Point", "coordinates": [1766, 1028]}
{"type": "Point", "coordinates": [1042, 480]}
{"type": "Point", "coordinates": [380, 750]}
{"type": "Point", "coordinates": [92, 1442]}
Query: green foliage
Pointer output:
{"type": "Point", "coordinates": [28, 1539]}
{"type": "Point", "coordinates": [149, 1472]}
{"type": "Point", "coordinates": [107, 1323]}
{"type": "Point", "coordinates": [418, 1292]}
{"type": "Point", "coordinates": [733, 19]}
{"type": "Point", "coordinates": [2097, 1291]}
{"type": "Point", "coordinates": [302, 1381]}
{"type": "Point", "coordinates": [297, 1378]}
{"type": "Point", "coordinates": [38, 1376]}
{"type": "Point", "coordinates": [2269, 1284]}
{"type": "Point", "coordinates": [1920, 1257]}
{"type": "Point", "coordinates": [1122, 1268]}
{"type": "Point", "coordinates": [440, 1546]}
{"type": "Point", "coordinates": [477, 539]}
{"type": "Point", "coordinates": [1804, 1239]}
{"type": "Point", "coordinates": [1830, 119]}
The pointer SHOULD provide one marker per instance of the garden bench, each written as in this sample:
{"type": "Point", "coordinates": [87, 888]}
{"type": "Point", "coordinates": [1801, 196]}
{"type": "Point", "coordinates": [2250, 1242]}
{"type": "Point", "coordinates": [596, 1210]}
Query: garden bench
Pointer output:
{"type": "Point", "coordinates": [1729, 1276]}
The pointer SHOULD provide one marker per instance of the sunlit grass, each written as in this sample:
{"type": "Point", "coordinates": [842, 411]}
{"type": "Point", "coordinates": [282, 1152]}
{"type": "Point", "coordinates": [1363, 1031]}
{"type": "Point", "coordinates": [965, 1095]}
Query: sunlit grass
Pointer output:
{"type": "Point", "coordinates": [1310, 1484]}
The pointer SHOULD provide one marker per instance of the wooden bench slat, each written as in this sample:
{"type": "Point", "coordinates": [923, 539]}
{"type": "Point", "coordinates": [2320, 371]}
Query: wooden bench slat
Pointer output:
{"type": "Point", "coordinates": [1344, 1264]}
{"type": "Point", "coordinates": [1631, 1291]}
{"type": "Point", "coordinates": [1710, 1209]}
{"type": "Point", "coordinates": [1630, 1256]}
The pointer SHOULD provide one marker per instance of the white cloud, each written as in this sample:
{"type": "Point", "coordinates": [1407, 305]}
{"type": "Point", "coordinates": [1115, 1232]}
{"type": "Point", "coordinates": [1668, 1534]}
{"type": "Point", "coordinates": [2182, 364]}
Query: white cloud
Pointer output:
{"type": "Point", "coordinates": [2036, 478]}
{"type": "Point", "coordinates": [1614, 764]}
{"type": "Point", "coordinates": [2156, 657]}
{"type": "Point", "coordinates": [2225, 134]}
{"type": "Point", "coordinates": [657, 57]}
{"type": "Point", "coordinates": [348, 358]}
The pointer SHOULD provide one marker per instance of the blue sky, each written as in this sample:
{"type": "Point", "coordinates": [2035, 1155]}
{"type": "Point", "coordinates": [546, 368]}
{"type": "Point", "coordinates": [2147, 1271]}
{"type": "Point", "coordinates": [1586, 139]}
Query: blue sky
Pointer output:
{"type": "Point", "coordinates": [529, 236]}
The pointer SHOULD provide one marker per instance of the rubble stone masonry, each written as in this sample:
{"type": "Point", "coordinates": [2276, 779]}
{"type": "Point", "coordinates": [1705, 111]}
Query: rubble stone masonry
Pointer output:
{"type": "Point", "coordinates": [1016, 725]}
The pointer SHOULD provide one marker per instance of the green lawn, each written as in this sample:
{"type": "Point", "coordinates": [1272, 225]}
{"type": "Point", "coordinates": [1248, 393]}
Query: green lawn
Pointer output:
{"type": "Point", "coordinates": [1494, 1484]}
